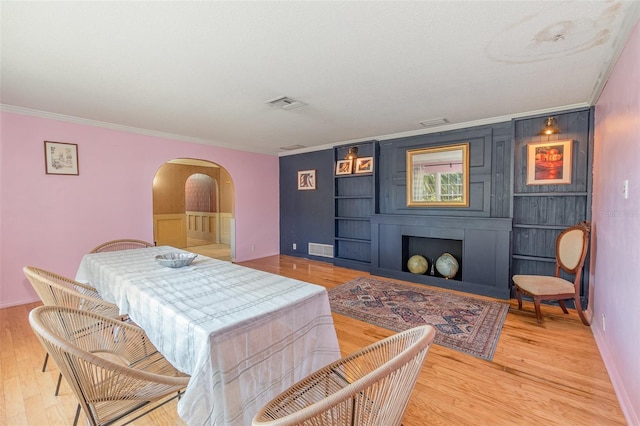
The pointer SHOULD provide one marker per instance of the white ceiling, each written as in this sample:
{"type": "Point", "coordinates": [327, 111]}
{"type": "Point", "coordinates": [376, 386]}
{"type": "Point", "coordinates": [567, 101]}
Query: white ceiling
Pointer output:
{"type": "Point", "coordinates": [202, 71]}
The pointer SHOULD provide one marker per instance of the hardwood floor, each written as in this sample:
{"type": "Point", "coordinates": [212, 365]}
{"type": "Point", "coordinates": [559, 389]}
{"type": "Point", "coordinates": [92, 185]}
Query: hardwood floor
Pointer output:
{"type": "Point", "coordinates": [550, 374]}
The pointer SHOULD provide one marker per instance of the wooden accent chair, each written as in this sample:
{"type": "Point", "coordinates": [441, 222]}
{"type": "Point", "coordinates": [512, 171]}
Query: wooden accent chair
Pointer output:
{"type": "Point", "coordinates": [123, 244]}
{"type": "Point", "coordinates": [571, 251]}
{"type": "Point", "coordinates": [369, 387]}
{"type": "Point", "coordinates": [56, 290]}
{"type": "Point", "coordinates": [112, 367]}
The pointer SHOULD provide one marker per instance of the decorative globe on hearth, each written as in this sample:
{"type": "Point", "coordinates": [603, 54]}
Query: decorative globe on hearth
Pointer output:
{"type": "Point", "coordinates": [447, 265]}
{"type": "Point", "coordinates": [417, 264]}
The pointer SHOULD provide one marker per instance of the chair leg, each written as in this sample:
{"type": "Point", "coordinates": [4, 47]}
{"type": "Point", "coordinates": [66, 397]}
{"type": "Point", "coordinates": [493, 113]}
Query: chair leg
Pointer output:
{"type": "Point", "coordinates": [75, 419]}
{"type": "Point", "coordinates": [563, 306]}
{"type": "Point", "coordinates": [46, 358]}
{"type": "Point", "coordinates": [583, 317]}
{"type": "Point", "coordinates": [58, 385]}
{"type": "Point", "coordinates": [536, 303]}
{"type": "Point", "coordinates": [519, 297]}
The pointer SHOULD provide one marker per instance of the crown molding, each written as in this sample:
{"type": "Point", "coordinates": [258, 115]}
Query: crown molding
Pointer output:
{"type": "Point", "coordinates": [444, 128]}
{"type": "Point", "coordinates": [122, 128]}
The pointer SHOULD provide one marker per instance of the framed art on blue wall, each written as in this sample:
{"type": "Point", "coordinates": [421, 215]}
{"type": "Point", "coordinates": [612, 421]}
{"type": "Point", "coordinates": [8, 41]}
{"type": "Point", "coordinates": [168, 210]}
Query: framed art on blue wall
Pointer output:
{"type": "Point", "coordinates": [306, 180]}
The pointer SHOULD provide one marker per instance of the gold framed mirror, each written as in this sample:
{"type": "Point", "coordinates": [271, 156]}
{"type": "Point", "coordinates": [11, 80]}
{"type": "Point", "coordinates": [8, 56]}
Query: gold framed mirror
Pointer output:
{"type": "Point", "coordinates": [438, 177]}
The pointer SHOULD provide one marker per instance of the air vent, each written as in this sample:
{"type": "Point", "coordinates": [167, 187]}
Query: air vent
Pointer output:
{"type": "Point", "coordinates": [292, 147]}
{"type": "Point", "coordinates": [434, 122]}
{"type": "Point", "coordinates": [285, 102]}
{"type": "Point", "coordinates": [322, 250]}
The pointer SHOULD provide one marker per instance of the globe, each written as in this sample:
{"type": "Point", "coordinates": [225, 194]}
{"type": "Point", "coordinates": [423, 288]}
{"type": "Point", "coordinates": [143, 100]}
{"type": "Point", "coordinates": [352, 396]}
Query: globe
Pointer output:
{"type": "Point", "coordinates": [417, 264]}
{"type": "Point", "coordinates": [447, 265]}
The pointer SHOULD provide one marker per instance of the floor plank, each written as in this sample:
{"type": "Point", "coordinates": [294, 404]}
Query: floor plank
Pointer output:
{"type": "Point", "coordinates": [549, 374]}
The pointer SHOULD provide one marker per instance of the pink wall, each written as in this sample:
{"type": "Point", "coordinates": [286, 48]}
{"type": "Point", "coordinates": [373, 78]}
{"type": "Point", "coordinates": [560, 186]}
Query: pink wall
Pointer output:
{"type": "Point", "coordinates": [616, 233]}
{"type": "Point", "coordinates": [51, 221]}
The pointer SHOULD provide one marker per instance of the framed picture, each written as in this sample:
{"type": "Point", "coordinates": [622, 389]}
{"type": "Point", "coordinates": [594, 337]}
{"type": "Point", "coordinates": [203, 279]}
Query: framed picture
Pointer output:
{"type": "Point", "coordinates": [549, 163]}
{"type": "Point", "coordinates": [306, 180]}
{"type": "Point", "coordinates": [61, 158]}
{"type": "Point", "coordinates": [344, 167]}
{"type": "Point", "coordinates": [364, 165]}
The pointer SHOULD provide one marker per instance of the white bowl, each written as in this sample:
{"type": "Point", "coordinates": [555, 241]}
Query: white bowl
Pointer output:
{"type": "Point", "coordinates": [176, 260]}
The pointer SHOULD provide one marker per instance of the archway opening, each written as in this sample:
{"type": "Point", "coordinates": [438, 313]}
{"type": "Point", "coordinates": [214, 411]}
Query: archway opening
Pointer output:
{"type": "Point", "coordinates": [193, 208]}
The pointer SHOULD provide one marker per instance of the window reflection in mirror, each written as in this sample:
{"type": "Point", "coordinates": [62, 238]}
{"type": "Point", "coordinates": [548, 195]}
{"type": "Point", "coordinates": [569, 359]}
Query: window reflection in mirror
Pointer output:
{"type": "Point", "coordinates": [438, 176]}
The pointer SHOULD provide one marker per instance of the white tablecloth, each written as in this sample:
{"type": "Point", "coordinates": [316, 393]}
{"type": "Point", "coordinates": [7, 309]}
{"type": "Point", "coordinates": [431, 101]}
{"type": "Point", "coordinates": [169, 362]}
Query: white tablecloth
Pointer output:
{"type": "Point", "coordinates": [243, 335]}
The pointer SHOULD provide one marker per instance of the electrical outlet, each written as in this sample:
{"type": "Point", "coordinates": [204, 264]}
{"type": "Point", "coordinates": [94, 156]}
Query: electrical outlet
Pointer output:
{"type": "Point", "coordinates": [604, 322]}
{"type": "Point", "coordinates": [295, 246]}
{"type": "Point", "coordinates": [625, 189]}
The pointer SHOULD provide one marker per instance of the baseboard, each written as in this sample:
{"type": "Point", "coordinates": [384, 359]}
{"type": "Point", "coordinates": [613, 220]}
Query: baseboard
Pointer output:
{"type": "Point", "coordinates": [10, 303]}
{"type": "Point", "coordinates": [628, 410]}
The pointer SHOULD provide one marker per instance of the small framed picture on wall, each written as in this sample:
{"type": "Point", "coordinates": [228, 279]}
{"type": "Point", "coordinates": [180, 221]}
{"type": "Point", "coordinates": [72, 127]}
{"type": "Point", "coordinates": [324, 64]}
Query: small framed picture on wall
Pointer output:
{"type": "Point", "coordinates": [344, 167]}
{"type": "Point", "coordinates": [306, 180]}
{"type": "Point", "coordinates": [364, 165]}
{"type": "Point", "coordinates": [61, 158]}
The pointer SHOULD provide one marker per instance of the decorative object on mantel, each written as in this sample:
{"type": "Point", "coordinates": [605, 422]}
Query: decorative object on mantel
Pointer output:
{"type": "Point", "coordinates": [447, 265]}
{"type": "Point", "coordinates": [61, 158]}
{"type": "Point", "coordinates": [549, 163]}
{"type": "Point", "coordinates": [463, 323]}
{"type": "Point", "coordinates": [344, 167]}
{"type": "Point", "coordinates": [417, 264]}
{"type": "Point", "coordinates": [433, 267]}
{"type": "Point", "coordinates": [306, 180]}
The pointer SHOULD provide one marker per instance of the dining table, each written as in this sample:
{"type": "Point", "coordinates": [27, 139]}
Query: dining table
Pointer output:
{"type": "Point", "coordinates": [243, 335]}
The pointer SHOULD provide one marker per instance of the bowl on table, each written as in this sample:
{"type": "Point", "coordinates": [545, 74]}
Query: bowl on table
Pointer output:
{"type": "Point", "coordinates": [176, 260]}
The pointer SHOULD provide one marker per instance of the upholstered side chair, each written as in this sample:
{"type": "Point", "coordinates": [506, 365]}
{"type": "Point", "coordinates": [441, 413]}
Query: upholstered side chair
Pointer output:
{"type": "Point", "coordinates": [571, 251]}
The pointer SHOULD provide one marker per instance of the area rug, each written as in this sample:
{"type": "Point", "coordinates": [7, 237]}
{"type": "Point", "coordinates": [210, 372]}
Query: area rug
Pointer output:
{"type": "Point", "coordinates": [462, 323]}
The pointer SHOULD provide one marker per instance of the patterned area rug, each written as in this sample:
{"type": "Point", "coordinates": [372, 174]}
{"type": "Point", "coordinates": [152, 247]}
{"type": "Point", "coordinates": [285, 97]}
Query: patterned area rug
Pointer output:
{"type": "Point", "coordinates": [463, 323]}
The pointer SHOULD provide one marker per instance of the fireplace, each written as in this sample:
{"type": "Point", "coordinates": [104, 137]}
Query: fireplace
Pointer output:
{"type": "Point", "coordinates": [480, 245]}
{"type": "Point", "coordinates": [431, 249]}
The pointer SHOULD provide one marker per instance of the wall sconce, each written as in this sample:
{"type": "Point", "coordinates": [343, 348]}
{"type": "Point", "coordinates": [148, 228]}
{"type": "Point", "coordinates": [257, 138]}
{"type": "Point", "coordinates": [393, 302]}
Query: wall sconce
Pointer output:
{"type": "Point", "coordinates": [352, 154]}
{"type": "Point", "coordinates": [550, 127]}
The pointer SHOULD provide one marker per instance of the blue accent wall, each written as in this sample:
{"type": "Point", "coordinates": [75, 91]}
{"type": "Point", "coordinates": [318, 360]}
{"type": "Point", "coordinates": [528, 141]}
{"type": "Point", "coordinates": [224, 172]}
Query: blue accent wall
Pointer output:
{"type": "Point", "coordinates": [306, 216]}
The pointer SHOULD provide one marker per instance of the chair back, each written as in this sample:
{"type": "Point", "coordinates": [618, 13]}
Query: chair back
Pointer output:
{"type": "Point", "coordinates": [123, 244]}
{"type": "Point", "coordinates": [369, 387]}
{"type": "Point", "coordinates": [111, 366]}
{"type": "Point", "coordinates": [54, 289]}
{"type": "Point", "coordinates": [571, 247]}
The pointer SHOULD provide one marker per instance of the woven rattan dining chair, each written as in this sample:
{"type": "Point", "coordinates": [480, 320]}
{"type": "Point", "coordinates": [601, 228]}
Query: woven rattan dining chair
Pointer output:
{"type": "Point", "coordinates": [56, 290]}
{"type": "Point", "coordinates": [112, 367]}
{"type": "Point", "coordinates": [117, 245]}
{"type": "Point", "coordinates": [369, 387]}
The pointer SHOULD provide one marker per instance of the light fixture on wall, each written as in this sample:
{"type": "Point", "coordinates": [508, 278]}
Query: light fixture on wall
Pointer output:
{"type": "Point", "coordinates": [352, 154]}
{"type": "Point", "coordinates": [550, 127]}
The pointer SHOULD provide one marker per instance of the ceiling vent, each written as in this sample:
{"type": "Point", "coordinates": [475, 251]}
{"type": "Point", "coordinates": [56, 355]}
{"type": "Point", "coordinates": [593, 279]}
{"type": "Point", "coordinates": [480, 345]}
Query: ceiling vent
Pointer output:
{"type": "Point", "coordinates": [292, 147]}
{"type": "Point", "coordinates": [434, 122]}
{"type": "Point", "coordinates": [285, 102]}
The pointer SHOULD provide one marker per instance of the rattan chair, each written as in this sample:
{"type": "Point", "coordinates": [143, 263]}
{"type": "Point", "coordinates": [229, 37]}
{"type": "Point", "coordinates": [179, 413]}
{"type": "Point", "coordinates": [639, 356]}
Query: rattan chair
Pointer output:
{"type": "Point", "coordinates": [56, 290]}
{"type": "Point", "coordinates": [117, 245]}
{"type": "Point", "coordinates": [112, 367]}
{"type": "Point", "coordinates": [369, 387]}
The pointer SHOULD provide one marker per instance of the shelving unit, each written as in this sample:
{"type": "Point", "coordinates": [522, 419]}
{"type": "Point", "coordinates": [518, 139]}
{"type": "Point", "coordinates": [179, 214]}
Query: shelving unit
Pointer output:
{"type": "Point", "coordinates": [355, 200]}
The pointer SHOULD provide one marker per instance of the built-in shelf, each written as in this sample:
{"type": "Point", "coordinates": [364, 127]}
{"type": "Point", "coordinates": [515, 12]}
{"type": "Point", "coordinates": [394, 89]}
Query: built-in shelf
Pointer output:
{"type": "Point", "coordinates": [354, 202]}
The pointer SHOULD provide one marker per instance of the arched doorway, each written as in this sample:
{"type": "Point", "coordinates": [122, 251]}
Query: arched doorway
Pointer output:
{"type": "Point", "coordinates": [193, 208]}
